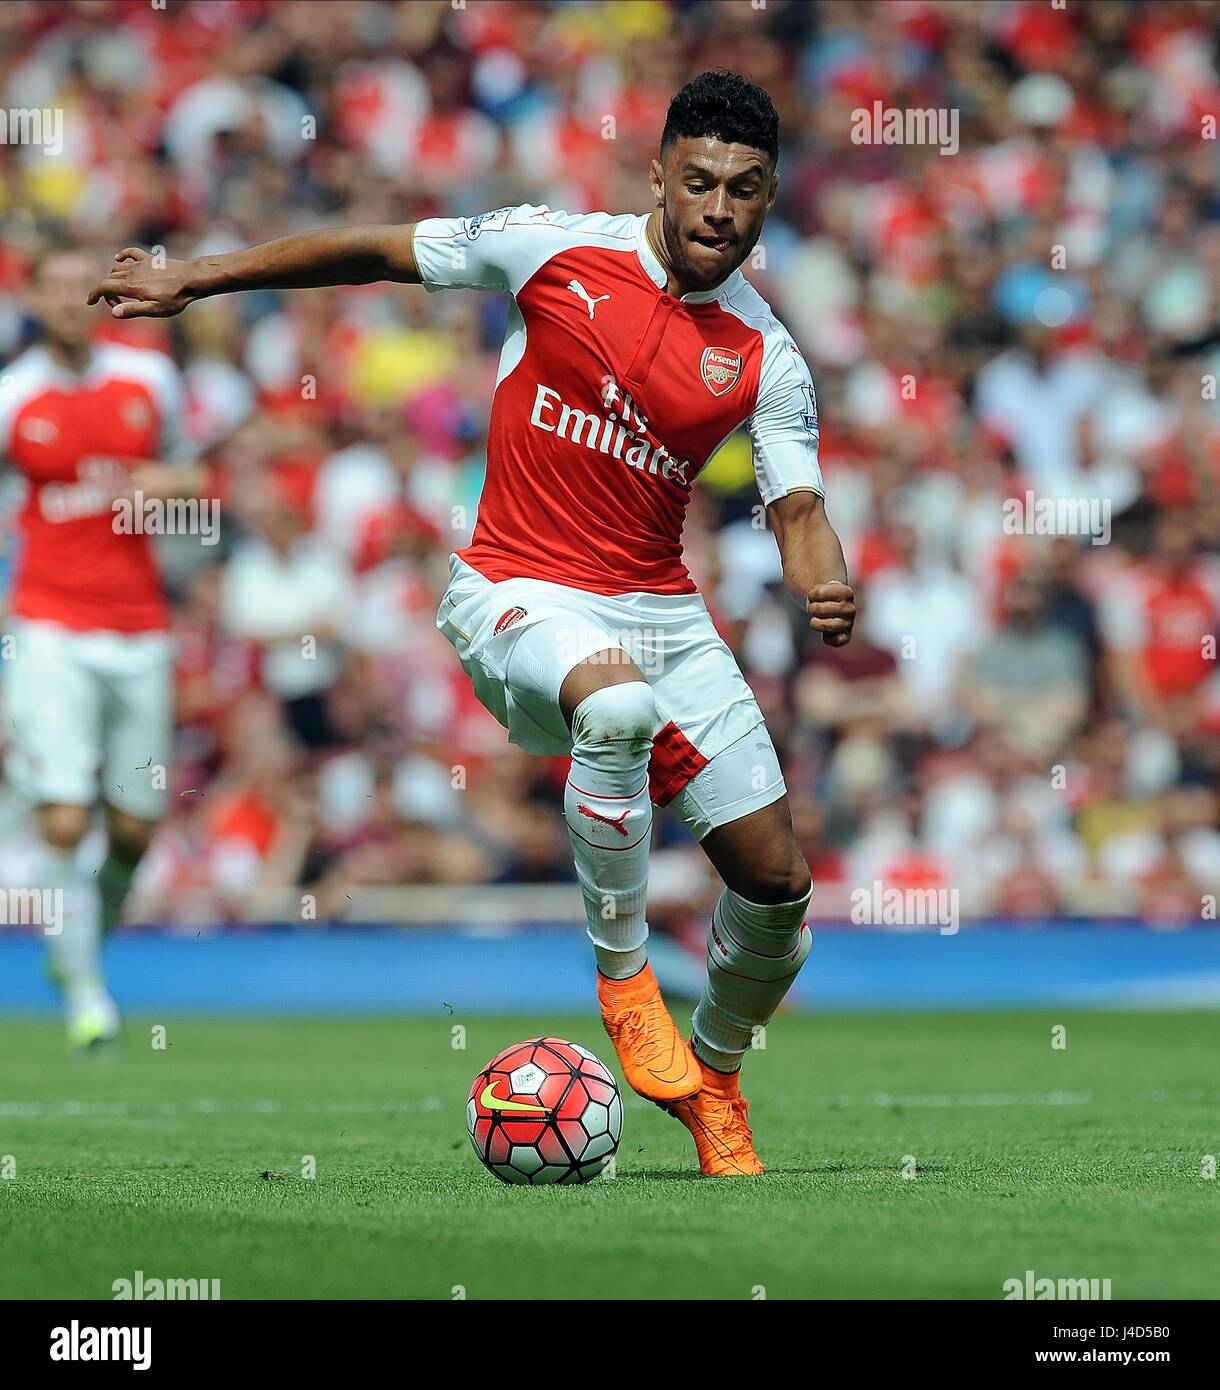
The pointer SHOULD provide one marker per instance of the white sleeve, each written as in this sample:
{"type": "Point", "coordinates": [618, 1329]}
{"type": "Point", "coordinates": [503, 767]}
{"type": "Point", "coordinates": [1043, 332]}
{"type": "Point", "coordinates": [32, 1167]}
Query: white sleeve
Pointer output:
{"type": "Point", "coordinates": [1121, 615]}
{"type": "Point", "coordinates": [784, 424]}
{"type": "Point", "coordinates": [493, 251]}
{"type": "Point", "coordinates": [174, 443]}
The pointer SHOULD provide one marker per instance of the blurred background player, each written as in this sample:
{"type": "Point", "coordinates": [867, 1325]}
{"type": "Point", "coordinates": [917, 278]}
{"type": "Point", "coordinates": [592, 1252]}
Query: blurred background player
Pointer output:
{"type": "Point", "coordinates": [89, 687]}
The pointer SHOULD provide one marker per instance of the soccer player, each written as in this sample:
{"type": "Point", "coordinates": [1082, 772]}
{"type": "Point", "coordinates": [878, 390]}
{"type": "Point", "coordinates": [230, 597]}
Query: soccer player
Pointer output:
{"type": "Point", "coordinates": [88, 690]}
{"type": "Point", "coordinates": [635, 348]}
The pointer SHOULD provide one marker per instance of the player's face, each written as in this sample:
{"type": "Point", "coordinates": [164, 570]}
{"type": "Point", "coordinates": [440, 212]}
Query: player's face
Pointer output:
{"type": "Point", "coordinates": [715, 198]}
{"type": "Point", "coordinates": [58, 294]}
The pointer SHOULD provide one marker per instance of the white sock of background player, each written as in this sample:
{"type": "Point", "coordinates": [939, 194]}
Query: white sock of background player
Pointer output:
{"type": "Point", "coordinates": [754, 952]}
{"type": "Point", "coordinates": [75, 949]}
{"type": "Point", "coordinates": [609, 817]}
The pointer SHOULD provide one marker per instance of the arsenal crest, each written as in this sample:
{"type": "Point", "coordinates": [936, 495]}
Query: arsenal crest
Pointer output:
{"type": "Point", "coordinates": [720, 368]}
{"type": "Point", "coordinates": [507, 619]}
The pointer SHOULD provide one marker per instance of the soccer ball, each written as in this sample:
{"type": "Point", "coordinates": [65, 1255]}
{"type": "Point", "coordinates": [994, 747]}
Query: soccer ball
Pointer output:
{"type": "Point", "coordinates": [545, 1111]}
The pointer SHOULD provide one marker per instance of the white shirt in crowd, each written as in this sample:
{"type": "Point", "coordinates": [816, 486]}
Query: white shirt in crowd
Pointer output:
{"type": "Point", "coordinates": [282, 601]}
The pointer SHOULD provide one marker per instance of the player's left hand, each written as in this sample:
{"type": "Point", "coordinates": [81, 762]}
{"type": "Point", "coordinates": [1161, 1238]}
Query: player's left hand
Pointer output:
{"type": "Point", "coordinates": [832, 612]}
{"type": "Point", "coordinates": [139, 286]}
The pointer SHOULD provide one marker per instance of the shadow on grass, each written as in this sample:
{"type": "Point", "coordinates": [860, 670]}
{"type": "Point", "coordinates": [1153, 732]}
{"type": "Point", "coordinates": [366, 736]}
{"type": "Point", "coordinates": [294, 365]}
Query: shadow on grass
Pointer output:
{"type": "Point", "coordinates": [861, 1168]}
{"type": "Point", "coordinates": [658, 1175]}
{"type": "Point", "coordinates": [814, 1170]}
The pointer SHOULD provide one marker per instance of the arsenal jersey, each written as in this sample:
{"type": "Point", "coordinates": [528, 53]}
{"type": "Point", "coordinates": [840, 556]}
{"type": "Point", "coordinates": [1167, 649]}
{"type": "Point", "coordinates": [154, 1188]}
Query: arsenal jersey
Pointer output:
{"type": "Point", "coordinates": [612, 395]}
{"type": "Point", "coordinates": [75, 437]}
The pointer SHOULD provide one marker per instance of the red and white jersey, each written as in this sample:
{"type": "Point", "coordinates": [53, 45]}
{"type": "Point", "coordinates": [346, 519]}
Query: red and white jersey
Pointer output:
{"type": "Point", "coordinates": [1164, 620]}
{"type": "Point", "coordinates": [612, 395]}
{"type": "Point", "coordinates": [75, 437]}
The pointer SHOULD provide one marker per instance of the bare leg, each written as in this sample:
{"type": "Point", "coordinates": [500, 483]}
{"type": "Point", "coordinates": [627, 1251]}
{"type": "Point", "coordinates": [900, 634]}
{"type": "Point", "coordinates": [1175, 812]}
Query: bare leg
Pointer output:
{"type": "Point", "coordinates": [128, 838]}
{"type": "Point", "coordinates": [610, 667]}
{"type": "Point", "coordinates": [758, 856]}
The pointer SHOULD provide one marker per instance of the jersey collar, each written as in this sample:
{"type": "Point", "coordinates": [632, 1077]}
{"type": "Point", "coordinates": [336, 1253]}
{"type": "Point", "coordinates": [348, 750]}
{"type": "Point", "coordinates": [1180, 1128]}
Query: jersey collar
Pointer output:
{"type": "Point", "coordinates": [656, 271]}
{"type": "Point", "coordinates": [56, 372]}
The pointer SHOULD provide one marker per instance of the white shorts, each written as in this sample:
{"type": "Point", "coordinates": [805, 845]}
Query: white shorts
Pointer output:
{"type": "Point", "coordinates": [89, 716]}
{"type": "Point", "coordinates": [705, 706]}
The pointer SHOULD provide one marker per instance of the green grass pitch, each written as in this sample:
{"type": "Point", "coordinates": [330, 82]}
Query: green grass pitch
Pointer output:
{"type": "Point", "coordinates": [1087, 1161]}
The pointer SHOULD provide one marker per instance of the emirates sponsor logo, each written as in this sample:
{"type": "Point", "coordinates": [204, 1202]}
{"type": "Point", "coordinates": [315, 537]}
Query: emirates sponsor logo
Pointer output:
{"type": "Point", "coordinates": [622, 432]}
{"type": "Point", "coordinates": [720, 369]}
{"type": "Point", "coordinates": [99, 478]}
{"type": "Point", "coordinates": [38, 431]}
{"type": "Point", "coordinates": [507, 619]}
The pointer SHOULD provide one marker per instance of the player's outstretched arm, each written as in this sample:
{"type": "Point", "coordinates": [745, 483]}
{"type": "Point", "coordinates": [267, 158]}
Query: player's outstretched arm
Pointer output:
{"type": "Point", "coordinates": [140, 285]}
{"type": "Point", "coordinates": [815, 571]}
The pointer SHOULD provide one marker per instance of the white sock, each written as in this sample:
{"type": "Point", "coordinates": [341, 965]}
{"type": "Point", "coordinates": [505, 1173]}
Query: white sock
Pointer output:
{"type": "Point", "coordinates": [754, 952]}
{"type": "Point", "coordinates": [75, 949]}
{"type": "Point", "coordinates": [609, 817]}
{"type": "Point", "coordinates": [620, 965]}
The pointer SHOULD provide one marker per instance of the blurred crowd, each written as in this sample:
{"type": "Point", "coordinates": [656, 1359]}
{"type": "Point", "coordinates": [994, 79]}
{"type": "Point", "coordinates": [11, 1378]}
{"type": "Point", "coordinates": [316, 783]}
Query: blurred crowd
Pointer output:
{"type": "Point", "coordinates": [1026, 714]}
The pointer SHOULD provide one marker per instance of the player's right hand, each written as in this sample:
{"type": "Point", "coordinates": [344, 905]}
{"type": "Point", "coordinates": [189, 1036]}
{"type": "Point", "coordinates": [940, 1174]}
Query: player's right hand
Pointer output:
{"type": "Point", "coordinates": [832, 612]}
{"type": "Point", "coordinates": [138, 286]}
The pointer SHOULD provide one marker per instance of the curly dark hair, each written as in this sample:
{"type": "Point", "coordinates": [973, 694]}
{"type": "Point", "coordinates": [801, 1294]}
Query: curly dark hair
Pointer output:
{"type": "Point", "coordinates": [728, 106]}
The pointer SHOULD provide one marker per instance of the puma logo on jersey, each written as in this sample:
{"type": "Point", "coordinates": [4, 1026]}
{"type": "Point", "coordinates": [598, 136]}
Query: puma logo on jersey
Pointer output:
{"type": "Point", "coordinates": [581, 293]}
{"type": "Point", "coordinates": [618, 822]}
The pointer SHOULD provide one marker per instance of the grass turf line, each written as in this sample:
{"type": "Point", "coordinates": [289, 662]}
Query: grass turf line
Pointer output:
{"type": "Point", "coordinates": [186, 1163]}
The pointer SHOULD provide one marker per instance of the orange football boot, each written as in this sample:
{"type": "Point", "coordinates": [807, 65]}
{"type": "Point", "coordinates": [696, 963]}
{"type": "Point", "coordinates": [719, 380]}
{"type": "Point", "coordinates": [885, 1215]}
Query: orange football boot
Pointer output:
{"type": "Point", "coordinates": [718, 1119]}
{"type": "Point", "coordinates": [654, 1055]}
